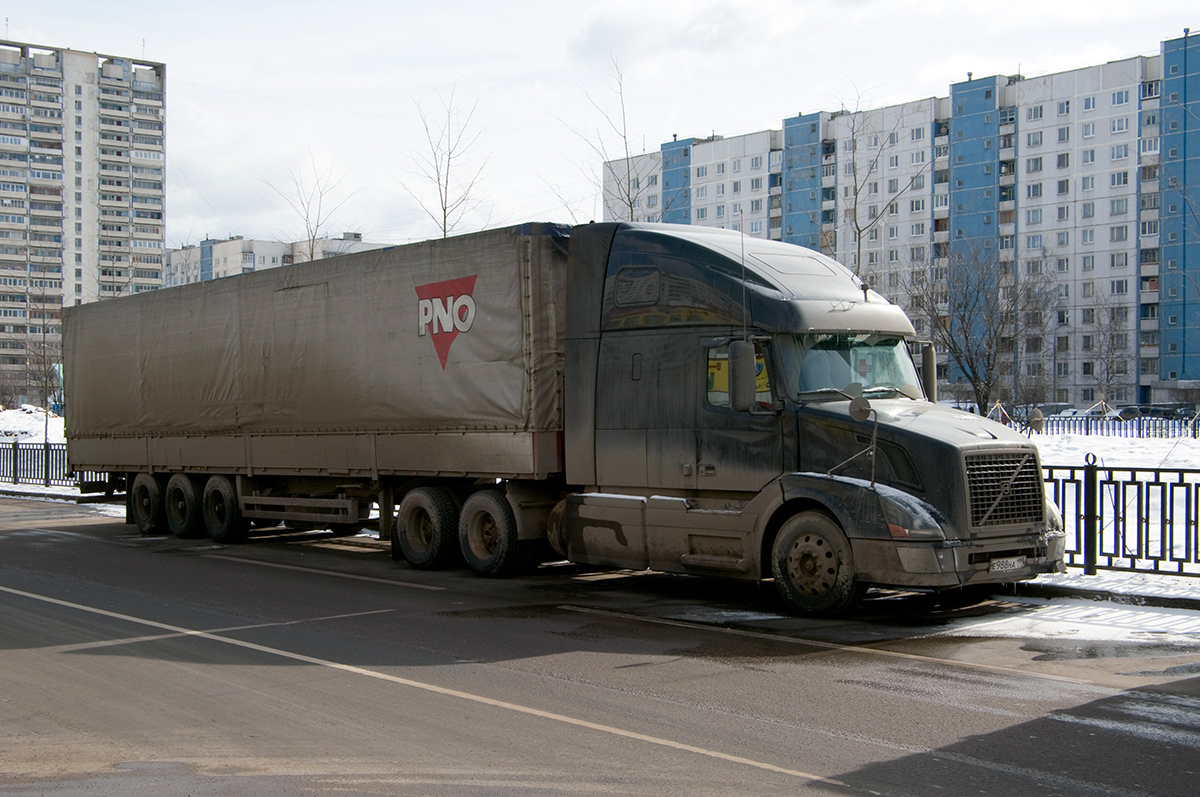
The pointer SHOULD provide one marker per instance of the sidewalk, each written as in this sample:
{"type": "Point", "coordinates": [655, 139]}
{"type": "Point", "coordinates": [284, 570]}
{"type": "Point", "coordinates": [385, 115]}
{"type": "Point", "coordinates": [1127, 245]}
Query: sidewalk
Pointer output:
{"type": "Point", "coordinates": [1138, 589]}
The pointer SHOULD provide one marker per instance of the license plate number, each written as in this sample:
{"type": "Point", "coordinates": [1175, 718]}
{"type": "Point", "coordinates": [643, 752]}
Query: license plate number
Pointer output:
{"type": "Point", "coordinates": [1007, 565]}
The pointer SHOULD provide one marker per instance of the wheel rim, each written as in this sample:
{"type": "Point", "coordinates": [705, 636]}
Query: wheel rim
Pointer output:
{"type": "Point", "coordinates": [141, 501]}
{"type": "Point", "coordinates": [420, 529]}
{"type": "Point", "coordinates": [218, 508]}
{"type": "Point", "coordinates": [177, 506]}
{"type": "Point", "coordinates": [812, 565]}
{"type": "Point", "coordinates": [484, 536]}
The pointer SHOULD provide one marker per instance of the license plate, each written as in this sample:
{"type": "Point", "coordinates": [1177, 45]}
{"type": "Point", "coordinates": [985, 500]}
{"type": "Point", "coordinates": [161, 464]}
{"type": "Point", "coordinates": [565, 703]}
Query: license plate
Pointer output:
{"type": "Point", "coordinates": [1007, 565]}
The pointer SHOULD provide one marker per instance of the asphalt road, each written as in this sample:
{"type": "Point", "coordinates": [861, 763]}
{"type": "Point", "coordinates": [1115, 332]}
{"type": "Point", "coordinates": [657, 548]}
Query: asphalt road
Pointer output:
{"type": "Point", "coordinates": [305, 664]}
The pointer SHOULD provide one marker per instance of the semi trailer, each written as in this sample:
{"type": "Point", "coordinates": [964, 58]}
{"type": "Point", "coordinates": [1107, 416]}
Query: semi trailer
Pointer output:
{"type": "Point", "coordinates": [641, 396]}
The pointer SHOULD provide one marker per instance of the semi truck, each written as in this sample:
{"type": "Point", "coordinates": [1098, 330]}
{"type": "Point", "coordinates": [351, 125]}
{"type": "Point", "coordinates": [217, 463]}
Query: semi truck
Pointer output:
{"type": "Point", "coordinates": [640, 396]}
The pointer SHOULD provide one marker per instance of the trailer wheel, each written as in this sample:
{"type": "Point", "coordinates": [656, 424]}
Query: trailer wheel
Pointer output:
{"type": "Point", "coordinates": [146, 503]}
{"type": "Point", "coordinates": [184, 516]}
{"type": "Point", "coordinates": [487, 534]}
{"type": "Point", "coordinates": [222, 515]}
{"type": "Point", "coordinates": [427, 528]}
{"type": "Point", "coordinates": [813, 566]}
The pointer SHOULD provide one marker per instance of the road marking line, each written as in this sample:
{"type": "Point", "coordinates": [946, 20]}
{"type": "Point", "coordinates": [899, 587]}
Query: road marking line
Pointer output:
{"type": "Point", "coordinates": [393, 582]}
{"type": "Point", "coordinates": [439, 690]}
{"type": "Point", "coordinates": [831, 646]}
{"type": "Point", "coordinates": [108, 643]}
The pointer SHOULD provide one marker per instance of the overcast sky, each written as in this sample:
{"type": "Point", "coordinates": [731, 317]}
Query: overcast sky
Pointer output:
{"type": "Point", "coordinates": [260, 90]}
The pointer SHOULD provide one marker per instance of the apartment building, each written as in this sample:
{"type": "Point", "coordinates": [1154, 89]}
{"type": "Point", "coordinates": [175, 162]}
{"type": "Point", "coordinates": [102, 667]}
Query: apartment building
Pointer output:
{"type": "Point", "coordinates": [81, 196]}
{"type": "Point", "coordinates": [213, 259]}
{"type": "Point", "coordinates": [1079, 188]}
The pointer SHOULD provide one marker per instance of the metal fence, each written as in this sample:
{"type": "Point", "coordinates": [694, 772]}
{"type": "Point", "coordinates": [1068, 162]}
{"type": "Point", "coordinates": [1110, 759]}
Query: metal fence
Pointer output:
{"type": "Point", "coordinates": [1115, 427]}
{"type": "Point", "coordinates": [38, 463]}
{"type": "Point", "coordinates": [1131, 519]}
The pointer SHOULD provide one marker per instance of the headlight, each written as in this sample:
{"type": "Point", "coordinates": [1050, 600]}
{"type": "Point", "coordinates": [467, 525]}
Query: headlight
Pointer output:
{"type": "Point", "coordinates": [1054, 518]}
{"type": "Point", "coordinates": [908, 517]}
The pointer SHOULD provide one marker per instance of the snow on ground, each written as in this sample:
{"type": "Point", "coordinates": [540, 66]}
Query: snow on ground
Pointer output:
{"type": "Point", "coordinates": [1120, 452]}
{"type": "Point", "coordinates": [29, 424]}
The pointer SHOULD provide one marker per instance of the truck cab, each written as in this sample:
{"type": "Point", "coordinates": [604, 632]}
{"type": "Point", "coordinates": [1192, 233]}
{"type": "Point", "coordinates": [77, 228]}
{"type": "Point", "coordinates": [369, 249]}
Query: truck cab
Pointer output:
{"type": "Point", "coordinates": [748, 408]}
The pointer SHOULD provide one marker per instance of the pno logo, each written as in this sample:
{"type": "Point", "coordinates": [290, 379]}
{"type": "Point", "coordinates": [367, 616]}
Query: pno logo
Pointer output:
{"type": "Point", "coordinates": [445, 309]}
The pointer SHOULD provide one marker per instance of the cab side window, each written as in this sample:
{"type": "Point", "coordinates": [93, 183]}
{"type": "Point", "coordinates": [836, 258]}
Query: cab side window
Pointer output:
{"type": "Point", "coordinates": [718, 376]}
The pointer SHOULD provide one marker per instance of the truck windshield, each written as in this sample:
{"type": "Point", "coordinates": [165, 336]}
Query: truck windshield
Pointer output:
{"type": "Point", "coordinates": [820, 366]}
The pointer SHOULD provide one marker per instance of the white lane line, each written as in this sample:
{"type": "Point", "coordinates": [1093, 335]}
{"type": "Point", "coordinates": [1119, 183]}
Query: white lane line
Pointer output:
{"type": "Point", "coordinates": [134, 640]}
{"type": "Point", "coordinates": [833, 646]}
{"type": "Point", "coordinates": [439, 690]}
{"type": "Point", "coordinates": [393, 582]}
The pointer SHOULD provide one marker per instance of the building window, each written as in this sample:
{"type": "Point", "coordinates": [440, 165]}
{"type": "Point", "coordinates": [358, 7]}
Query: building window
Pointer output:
{"type": "Point", "coordinates": [1120, 124]}
{"type": "Point", "coordinates": [1033, 190]}
{"type": "Point", "coordinates": [1087, 183]}
{"type": "Point", "coordinates": [1033, 139]}
{"type": "Point", "coordinates": [1089, 103]}
{"type": "Point", "coordinates": [1088, 156]}
{"type": "Point", "coordinates": [1120, 97]}
{"type": "Point", "coordinates": [1033, 112]}
{"type": "Point", "coordinates": [1033, 165]}
{"type": "Point", "coordinates": [1064, 135]}
{"type": "Point", "coordinates": [1087, 235]}
{"type": "Point", "coordinates": [1118, 233]}
{"type": "Point", "coordinates": [1119, 179]}
{"type": "Point", "coordinates": [701, 171]}
{"type": "Point", "coordinates": [1064, 107]}
{"type": "Point", "coordinates": [1033, 216]}
{"type": "Point", "coordinates": [1119, 287]}
{"type": "Point", "coordinates": [1120, 152]}
{"type": "Point", "coordinates": [1089, 129]}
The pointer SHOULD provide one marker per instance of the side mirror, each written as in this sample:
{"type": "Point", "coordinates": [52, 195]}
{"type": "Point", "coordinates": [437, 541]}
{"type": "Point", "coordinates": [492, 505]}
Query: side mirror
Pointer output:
{"type": "Point", "coordinates": [743, 373]}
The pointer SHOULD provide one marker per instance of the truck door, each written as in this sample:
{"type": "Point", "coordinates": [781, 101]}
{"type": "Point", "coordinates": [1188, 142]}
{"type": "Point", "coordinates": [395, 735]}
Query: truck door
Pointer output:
{"type": "Point", "coordinates": [736, 451]}
{"type": "Point", "coordinates": [737, 454]}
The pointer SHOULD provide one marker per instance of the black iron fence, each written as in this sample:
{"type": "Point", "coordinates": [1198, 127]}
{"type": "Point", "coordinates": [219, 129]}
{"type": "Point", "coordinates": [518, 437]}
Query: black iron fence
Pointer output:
{"type": "Point", "coordinates": [38, 463]}
{"type": "Point", "coordinates": [1115, 427]}
{"type": "Point", "coordinates": [1132, 519]}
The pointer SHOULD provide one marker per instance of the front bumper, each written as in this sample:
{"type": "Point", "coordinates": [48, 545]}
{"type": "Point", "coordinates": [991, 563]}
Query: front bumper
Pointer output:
{"type": "Point", "coordinates": [959, 562]}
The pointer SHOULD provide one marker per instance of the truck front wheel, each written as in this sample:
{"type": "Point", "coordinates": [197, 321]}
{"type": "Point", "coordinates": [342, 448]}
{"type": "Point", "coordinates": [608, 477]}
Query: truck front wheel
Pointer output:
{"type": "Point", "coordinates": [487, 534]}
{"type": "Point", "coordinates": [222, 515]}
{"type": "Point", "coordinates": [427, 528]}
{"type": "Point", "coordinates": [184, 517]}
{"type": "Point", "coordinates": [146, 503]}
{"type": "Point", "coordinates": [813, 566]}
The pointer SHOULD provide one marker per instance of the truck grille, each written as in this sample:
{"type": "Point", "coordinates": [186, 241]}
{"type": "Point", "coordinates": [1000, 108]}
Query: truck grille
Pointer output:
{"type": "Point", "coordinates": [1006, 489]}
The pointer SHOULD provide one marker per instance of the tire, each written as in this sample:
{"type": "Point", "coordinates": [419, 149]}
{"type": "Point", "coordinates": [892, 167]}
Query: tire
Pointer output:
{"type": "Point", "coordinates": [426, 528]}
{"type": "Point", "coordinates": [182, 506]}
{"type": "Point", "coordinates": [146, 503]}
{"type": "Point", "coordinates": [487, 535]}
{"type": "Point", "coordinates": [222, 516]}
{"type": "Point", "coordinates": [813, 566]}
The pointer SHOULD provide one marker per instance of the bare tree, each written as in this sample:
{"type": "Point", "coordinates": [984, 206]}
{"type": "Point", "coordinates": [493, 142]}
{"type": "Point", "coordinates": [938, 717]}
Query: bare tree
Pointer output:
{"type": "Point", "coordinates": [312, 196]}
{"type": "Point", "coordinates": [1107, 343]}
{"type": "Point", "coordinates": [447, 167]}
{"type": "Point", "coordinates": [629, 180]}
{"type": "Point", "coordinates": [870, 194]}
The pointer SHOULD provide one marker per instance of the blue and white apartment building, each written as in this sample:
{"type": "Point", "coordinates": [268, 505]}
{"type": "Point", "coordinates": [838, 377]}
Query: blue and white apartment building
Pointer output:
{"type": "Point", "coordinates": [1085, 183]}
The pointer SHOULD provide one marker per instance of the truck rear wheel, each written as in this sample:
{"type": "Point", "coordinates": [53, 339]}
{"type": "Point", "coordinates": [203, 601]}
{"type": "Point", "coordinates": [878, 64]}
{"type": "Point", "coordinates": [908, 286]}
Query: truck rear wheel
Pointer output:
{"type": "Point", "coordinates": [813, 566]}
{"type": "Point", "coordinates": [487, 534]}
{"type": "Point", "coordinates": [184, 516]}
{"type": "Point", "coordinates": [427, 528]}
{"type": "Point", "coordinates": [146, 503]}
{"type": "Point", "coordinates": [222, 516]}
